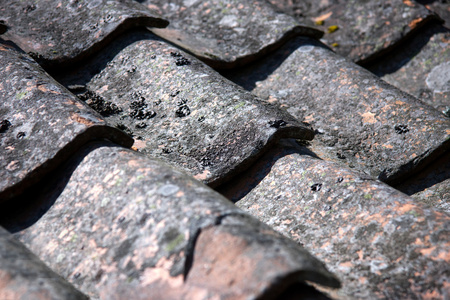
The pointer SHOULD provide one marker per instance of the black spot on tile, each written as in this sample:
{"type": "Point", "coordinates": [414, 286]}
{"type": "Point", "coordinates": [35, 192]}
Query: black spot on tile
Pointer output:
{"type": "Point", "coordinates": [316, 187]}
{"type": "Point", "coordinates": [400, 128]}
{"type": "Point", "coordinates": [277, 123]}
{"type": "Point", "coordinates": [183, 111]}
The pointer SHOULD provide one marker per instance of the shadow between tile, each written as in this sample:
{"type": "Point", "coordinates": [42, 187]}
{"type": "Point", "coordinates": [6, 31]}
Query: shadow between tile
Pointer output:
{"type": "Point", "coordinates": [80, 74]}
{"type": "Point", "coordinates": [242, 184]}
{"type": "Point", "coordinates": [276, 59]}
{"type": "Point", "coordinates": [401, 55]}
{"type": "Point", "coordinates": [22, 212]}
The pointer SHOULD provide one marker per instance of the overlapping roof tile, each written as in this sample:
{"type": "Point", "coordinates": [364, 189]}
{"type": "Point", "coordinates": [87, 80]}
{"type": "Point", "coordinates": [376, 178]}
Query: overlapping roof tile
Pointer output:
{"type": "Point", "coordinates": [142, 220]}
{"type": "Point", "coordinates": [424, 74]}
{"type": "Point", "coordinates": [361, 30]}
{"type": "Point", "coordinates": [181, 110]}
{"type": "Point", "coordinates": [364, 121]}
{"type": "Point", "coordinates": [41, 124]}
{"type": "Point", "coordinates": [118, 224]}
{"type": "Point", "coordinates": [227, 33]}
{"type": "Point", "coordinates": [24, 276]}
{"type": "Point", "coordinates": [380, 242]}
{"type": "Point", "coordinates": [55, 32]}
{"type": "Point", "coordinates": [3, 27]}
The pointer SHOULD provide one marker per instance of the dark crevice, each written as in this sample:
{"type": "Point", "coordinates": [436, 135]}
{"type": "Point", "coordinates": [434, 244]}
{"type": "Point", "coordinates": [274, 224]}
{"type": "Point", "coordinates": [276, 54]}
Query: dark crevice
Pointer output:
{"type": "Point", "coordinates": [21, 212]}
{"type": "Point", "coordinates": [430, 20]}
{"type": "Point", "coordinates": [190, 251]}
{"type": "Point", "coordinates": [404, 51]}
{"type": "Point", "coordinates": [76, 75]}
{"type": "Point", "coordinates": [243, 183]}
{"type": "Point", "coordinates": [276, 59]}
{"type": "Point", "coordinates": [416, 166]}
{"type": "Point", "coordinates": [435, 173]}
{"type": "Point", "coordinates": [301, 291]}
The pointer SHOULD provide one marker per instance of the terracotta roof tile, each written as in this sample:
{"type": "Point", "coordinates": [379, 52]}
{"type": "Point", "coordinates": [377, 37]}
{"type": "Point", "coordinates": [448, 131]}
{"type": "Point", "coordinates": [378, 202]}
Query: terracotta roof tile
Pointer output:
{"type": "Point", "coordinates": [371, 125]}
{"type": "Point", "coordinates": [227, 33]}
{"type": "Point", "coordinates": [118, 224]}
{"type": "Point", "coordinates": [420, 67]}
{"type": "Point", "coordinates": [24, 276]}
{"type": "Point", "coordinates": [42, 124]}
{"type": "Point", "coordinates": [182, 111]}
{"type": "Point", "coordinates": [56, 32]}
{"type": "Point", "coordinates": [362, 30]}
{"type": "Point", "coordinates": [381, 243]}
{"type": "Point", "coordinates": [125, 223]}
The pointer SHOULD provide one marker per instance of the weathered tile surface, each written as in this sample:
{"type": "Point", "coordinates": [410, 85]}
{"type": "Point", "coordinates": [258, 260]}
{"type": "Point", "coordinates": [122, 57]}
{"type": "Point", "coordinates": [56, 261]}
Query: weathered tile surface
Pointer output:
{"type": "Point", "coordinates": [432, 185]}
{"type": "Point", "coordinates": [55, 32]}
{"type": "Point", "coordinates": [420, 67]}
{"type": "Point", "coordinates": [125, 226]}
{"type": "Point", "coordinates": [378, 241]}
{"type": "Point", "coordinates": [227, 33]}
{"type": "Point", "coordinates": [181, 110]}
{"type": "Point", "coordinates": [361, 30]}
{"type": "Point", "coordinates": [366, 122]}
{"type": "Point", "coordinates": [440, 7]}
{"type": "Point", "coordinates": [23, 276]}
{"type": "Point", "coordinates": [41, 123]}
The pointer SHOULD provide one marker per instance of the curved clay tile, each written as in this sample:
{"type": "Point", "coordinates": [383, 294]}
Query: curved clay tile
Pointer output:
{"type": "Point", "coordinates": [361, 30]}
{"type": "Point", "coordinates": [63, 32]}
{"type": "Point", "coordinates": [41, 123]}
{"type": "Point", "coordinates": [380, 242]}
{"type": "Point", "coordinates": [364, 121]}
{"type": "Point", "coordinates": [125, 226]}
{"type": "Point", "coordinates": [181, 110]}
{"type": "Point", "coordinates": [424, 74]}
{"type": "Point", "coordinates": [24, 276]}
{"type": "Point", "coordinates": [225, 34]}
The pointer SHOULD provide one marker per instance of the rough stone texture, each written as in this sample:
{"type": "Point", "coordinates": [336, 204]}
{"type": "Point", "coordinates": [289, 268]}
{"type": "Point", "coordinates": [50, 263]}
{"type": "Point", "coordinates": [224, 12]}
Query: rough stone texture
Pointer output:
{"type": "Point", "coordinates": [432, 185]}
{"type": "Point", "coordinates": [126, 226]}
{"type": "Point", "coordinates": [181, 110]}
{"type": "Point", "coordinates": [55, 32]}
{"type": "Point", "coordinates": [380, 242]}
{"type": "Point", "coordinates": [23, 276]}
{"type": "Point", "coordinates": [361, 30]}
{"type": "Point", "coordinates": [366, 122]}
{"type": "Point", "coordinates": [420, 67]}
{"type": "Point", "coordinates": [440, 7]}
{"type": "Point", "coordinates": [228, 33]}
{"type": "Point", "coordinates": [41, 123]}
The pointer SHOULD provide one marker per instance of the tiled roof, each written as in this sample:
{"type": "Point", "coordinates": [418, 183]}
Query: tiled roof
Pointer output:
{"type": "Point", "coordinates": [191, 149]}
